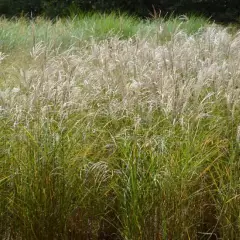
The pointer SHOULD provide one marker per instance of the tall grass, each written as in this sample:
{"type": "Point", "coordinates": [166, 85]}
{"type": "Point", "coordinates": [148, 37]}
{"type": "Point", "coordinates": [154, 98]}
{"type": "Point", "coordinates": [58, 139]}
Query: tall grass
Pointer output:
{"type": "Point", "coordinates": [76, 30]}
{"type": "Point", "coordinates": [120, 138]}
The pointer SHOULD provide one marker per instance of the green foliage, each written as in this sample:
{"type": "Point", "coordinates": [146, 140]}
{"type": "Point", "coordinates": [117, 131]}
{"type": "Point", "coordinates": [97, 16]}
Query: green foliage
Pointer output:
{"type": "Point", "coordinates": [20, 34]}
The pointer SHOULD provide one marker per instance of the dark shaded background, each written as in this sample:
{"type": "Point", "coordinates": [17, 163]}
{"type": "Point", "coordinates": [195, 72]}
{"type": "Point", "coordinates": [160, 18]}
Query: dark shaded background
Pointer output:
{"type": "Point", "coordinates": [225, 11]}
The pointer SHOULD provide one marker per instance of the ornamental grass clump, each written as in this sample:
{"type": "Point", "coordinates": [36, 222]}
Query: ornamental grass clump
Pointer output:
{"type": "Point", "coordinates": [122, 139]}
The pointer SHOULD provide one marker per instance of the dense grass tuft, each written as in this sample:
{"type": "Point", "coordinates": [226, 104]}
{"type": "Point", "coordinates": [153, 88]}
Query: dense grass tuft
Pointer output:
{"type": "Point", "coordinates": [122, 130]}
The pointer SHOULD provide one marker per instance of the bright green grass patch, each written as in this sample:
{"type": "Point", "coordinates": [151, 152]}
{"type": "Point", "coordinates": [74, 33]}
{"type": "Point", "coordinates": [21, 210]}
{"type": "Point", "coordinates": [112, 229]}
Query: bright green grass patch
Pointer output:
{"type": "Point", "coordinates": [21, 33]}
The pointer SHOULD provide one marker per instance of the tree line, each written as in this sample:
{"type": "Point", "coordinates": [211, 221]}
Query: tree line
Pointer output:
{"type": "Point", "coordinates": [222, 10]}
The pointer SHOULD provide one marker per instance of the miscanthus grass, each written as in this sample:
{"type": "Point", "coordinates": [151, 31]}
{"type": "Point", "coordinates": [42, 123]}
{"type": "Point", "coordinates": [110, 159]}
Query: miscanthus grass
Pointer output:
{"type": "Point", "coordinates": [130, 138]}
